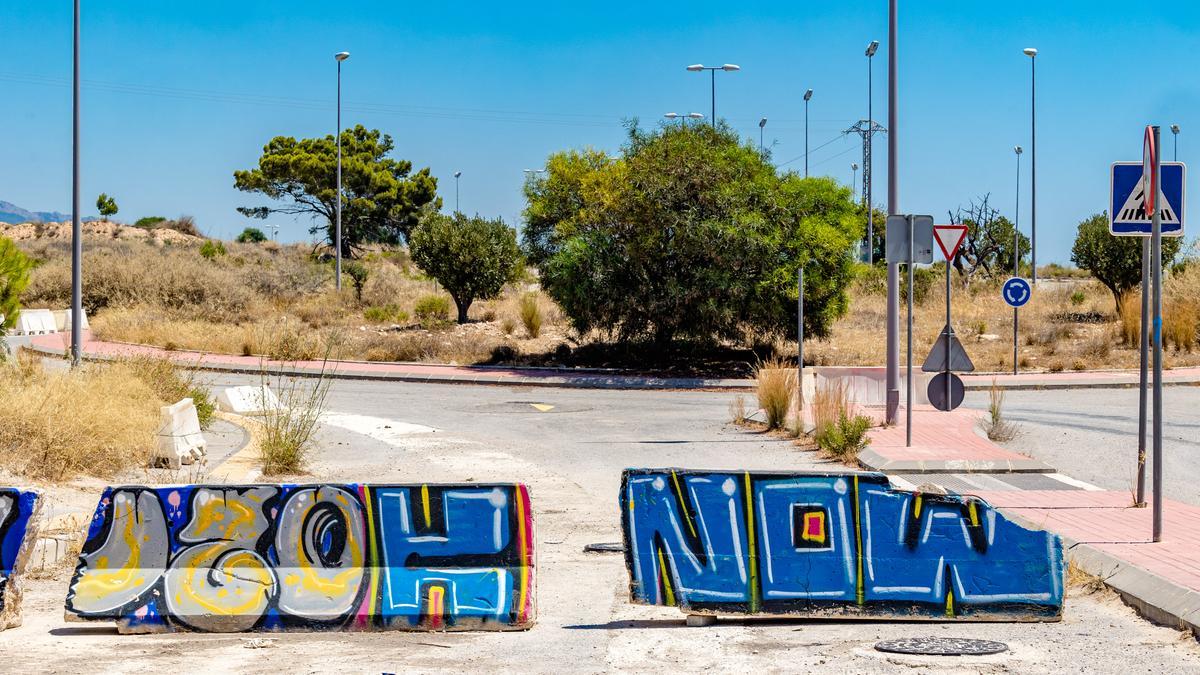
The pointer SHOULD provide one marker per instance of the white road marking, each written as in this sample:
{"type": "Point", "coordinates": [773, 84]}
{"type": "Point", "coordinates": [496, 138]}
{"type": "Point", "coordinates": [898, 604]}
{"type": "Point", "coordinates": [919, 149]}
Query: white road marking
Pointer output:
{"type": "Point", "coordinates": [391, 432]}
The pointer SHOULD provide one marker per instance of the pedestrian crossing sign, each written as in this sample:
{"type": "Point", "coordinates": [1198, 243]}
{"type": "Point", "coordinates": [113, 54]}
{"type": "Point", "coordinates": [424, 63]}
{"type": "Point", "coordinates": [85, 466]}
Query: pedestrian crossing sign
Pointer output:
{"type": "Point", "coordinates": [1127, 214]}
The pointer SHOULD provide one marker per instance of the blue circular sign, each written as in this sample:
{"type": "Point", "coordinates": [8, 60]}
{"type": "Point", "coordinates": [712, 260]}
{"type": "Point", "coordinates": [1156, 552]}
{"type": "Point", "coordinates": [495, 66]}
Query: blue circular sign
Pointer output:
{"type": "Point", "coordinates": [1016, 292]}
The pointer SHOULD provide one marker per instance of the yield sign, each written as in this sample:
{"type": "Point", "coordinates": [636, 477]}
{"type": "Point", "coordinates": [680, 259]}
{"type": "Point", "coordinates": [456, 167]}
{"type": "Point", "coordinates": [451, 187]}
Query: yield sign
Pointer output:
{"type": "Point", "coordinates": [949, 238]}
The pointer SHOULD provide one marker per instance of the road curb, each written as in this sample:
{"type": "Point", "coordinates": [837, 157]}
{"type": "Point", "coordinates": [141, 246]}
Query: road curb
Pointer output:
{"type": "Point", "coordinates": [1155, 598]}
{"type": "Point", "coordinates": [877, 462]}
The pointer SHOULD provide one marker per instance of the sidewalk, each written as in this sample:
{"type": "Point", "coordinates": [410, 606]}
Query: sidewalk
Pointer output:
{"type": "Point", "coordinates": [1090, 379]}
{"type": "Point", "coordinates": [942, 443]}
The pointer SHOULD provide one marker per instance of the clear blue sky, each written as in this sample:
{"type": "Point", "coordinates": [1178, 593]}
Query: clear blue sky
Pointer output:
{"type": "Point", "coordinates": [179, 95]}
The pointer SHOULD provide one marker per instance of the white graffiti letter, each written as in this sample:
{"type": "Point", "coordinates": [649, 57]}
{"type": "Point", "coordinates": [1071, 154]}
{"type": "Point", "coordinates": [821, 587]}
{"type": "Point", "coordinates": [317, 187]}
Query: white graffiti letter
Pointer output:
{"type": "Point", "coordinates": [320, 546]}
{"type": "Point", "coordinates": [130, 560]}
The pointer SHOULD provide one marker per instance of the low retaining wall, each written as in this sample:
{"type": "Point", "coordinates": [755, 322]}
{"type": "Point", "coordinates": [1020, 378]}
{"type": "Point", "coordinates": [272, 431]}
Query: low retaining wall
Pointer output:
{"type": "Point", "coordinates": [222, 558]}
{"type": "Point", "coordinates": [830, 545]}
{"type": "Point", "coordinates": [19, 510]}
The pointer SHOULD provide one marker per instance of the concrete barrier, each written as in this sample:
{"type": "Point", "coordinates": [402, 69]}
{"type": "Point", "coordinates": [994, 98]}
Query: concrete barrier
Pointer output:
{"type": "Point", "coordinates": [35, 322]}
{"type": "Point", "coordinates": [868, 385]}
{"type": "Point", "coordinates": [180, 440]}
{"type": "Point", "coordinates": [18, 532]}
{"type": "Point", "coordinates": [62, 319]}
{"type": "Point", "coordinates": [247, 400]}
{"type": "Point", "coordinates": [835, 545]}
{"type": "Point", "coordinates": [222, 558]}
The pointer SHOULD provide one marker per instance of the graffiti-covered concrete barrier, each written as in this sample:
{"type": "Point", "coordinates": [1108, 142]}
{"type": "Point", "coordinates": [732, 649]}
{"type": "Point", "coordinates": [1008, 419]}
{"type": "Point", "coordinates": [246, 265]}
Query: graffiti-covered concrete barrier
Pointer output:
{"type": "Point", "coordinates": [223, 558]}
{"type": "Point", "coordinates": [18, 533]}
{"type": "Point", "coordinates": [830, 545]}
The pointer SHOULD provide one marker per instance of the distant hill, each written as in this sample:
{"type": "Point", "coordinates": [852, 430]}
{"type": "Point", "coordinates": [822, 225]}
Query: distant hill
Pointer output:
{"type": "Point", "coordinates": [11, 213]}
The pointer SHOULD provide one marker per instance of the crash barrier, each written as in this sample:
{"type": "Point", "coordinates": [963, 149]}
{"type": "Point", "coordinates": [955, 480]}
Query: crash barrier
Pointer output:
{"type": "Point", "coordinates": [62, 320]}
{"type": "Point", "coordinates": [868, 384]}
{"type": "Point", "coordinates": [18, 532]}
{"type": "Point", "coordinates": [224, 558]}
{"type": "Point", "coordinates": [35, 322]}
{"type": "Point", "coordinates": [180, 440]}
{"type": "Point", "coordinates": [247, 400]}
{"type": "Point", "coordinates": [830, 545]}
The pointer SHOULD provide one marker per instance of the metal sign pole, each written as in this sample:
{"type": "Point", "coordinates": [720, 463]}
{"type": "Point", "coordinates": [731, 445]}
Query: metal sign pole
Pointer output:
{"type": "Point", "coordinates": [800, 346]}
{"type": "Point", "coordinates": [1156, 254]}
{"type": "Point", "coordinates": [908, 402]}
{"type": "Point", "coordinates": [949, 405]}
{"type": "Point", "coordinates": [1144, 340]}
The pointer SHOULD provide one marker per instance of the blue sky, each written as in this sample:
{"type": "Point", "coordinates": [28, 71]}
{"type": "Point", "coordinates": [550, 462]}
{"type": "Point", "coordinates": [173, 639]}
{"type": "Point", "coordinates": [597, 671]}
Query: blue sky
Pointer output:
{"type": "Point", "coordinates": [179, 95]}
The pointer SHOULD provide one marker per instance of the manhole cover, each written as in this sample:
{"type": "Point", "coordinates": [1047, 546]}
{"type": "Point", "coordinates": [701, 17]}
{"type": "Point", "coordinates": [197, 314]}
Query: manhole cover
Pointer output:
{"type": "Point", "coordinates": [941, 646]}
{"type": "Point", "coordinates": [604, 548]}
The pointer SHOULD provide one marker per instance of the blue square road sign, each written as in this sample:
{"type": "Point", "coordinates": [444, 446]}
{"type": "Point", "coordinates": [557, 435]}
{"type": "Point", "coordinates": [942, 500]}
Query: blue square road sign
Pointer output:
{"type": "Point", "coordinates": [1126, 213]}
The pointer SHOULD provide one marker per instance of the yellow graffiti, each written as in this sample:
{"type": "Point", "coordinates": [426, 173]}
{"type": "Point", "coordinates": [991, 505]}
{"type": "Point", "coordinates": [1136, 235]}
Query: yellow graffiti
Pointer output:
{"type": "Point", "coordinates": [129, 561]}
{"type": "Point", "coordinates": [311, 520]}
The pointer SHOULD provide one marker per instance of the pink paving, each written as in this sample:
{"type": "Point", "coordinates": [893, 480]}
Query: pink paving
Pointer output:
{"type": "Point", "coordinates": [939, 436]}
{"type": "Point", "coordinates": [1191, 374]}
{"type": "Point", "coordinates": [1107, 521]}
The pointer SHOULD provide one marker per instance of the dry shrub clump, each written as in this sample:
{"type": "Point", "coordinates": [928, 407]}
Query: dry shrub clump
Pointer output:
{"type": "Point", "coordinates": [836, 429]}
{"type": "Point", "coordinates": [995, 425]}
{"type": "Point", "coordinates": [287, 430]}
{"type": "Point", "coordinates": [98, 420]}
{"type": "Point", "coordinates": [1129, 319]}
{"type": "Point", "coordinates": [776, 384]}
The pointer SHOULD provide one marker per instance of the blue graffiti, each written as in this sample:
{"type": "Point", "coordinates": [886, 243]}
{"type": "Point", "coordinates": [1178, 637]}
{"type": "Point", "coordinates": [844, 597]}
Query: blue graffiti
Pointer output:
{"type": "Point", "coordinates": [830, 544]}
{"type": "Point", "coordinates": [18, 530]}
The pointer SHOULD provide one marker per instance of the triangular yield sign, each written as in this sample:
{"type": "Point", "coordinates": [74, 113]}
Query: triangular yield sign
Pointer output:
{"type": "Point", "coordinates": [1134, 208]}
{"type": "Point", "coordinates": [959, 361]}
{"type": "Point", "coordinates": [949, 238]}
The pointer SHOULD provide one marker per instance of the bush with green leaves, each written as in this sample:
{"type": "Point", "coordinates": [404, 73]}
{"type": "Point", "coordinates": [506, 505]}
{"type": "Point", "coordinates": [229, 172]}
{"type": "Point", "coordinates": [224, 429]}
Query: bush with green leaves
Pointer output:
{"type": "Point", "coordinates": [149, 222]}
{"type": "Point", "coordinates": [844, 438]}
{"type": "Point", "coordinates": [1116, 262]}
{"type": "Point", "coordinates": [473, 258]}
{"type": "Point", "coordinates": [251, 235]}
{"type": "Point", "coordinates": [212, 249]}
{"type": "Point", "coordinates": [385, 314]}
{"type": "Point", "coordinates": [14, 279]}
{"type": "Point", "coordinates": [106, 205]}
{"type": "Point", "coordinates": [358, 273]}
{"type": "Point", "coordinates": [690, 234]}
{"type": "Point", "coordinates": [432, 310]}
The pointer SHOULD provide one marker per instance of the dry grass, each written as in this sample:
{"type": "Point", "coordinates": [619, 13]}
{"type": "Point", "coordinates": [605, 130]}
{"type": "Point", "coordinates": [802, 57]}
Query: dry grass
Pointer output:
{"type": "Point", "coordinates": [837, 430]}
{"type": "Point", "coordinates": [531, 315]}
{"type": "Point", "coordinates": [737, 409]}
{"type": "Point", "coordinates": [994, 425]}
{"type": "Point", "coordinates": [287, 430]}
{"type": "Point", "coordinates": [1129, 320]}
{"type": "Point", "coordinates": [776, 382]}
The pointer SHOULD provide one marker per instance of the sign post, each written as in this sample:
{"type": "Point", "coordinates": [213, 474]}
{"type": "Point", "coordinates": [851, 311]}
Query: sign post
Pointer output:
{"type": "Point", "coordinates": [1016, 292]}
{"type": "Point", "coordinates": [909, 241]}
{"type": "Point", "coordinates": [949, 238]}
{"type": "Point", "coordinates": [1150, 148]}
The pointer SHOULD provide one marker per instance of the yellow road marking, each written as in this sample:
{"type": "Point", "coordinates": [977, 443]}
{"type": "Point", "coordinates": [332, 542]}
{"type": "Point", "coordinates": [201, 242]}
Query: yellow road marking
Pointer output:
{"type": "Point", "coordinates": [542, 407]}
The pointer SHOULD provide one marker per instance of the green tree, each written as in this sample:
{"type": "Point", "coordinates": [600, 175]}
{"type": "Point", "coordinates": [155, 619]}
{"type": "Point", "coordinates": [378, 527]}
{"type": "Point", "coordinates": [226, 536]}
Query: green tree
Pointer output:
{"type": "Point", "coordinates": [382, 198]}
{"type": "Point", "coordinates": [987, 250]}
{"type": "Point", "coordinates": [14, 279]}
{"type": "Point", "coordinates": [690, 234]}
{"type": "Point", "coordinates": [1115, 261]}
{"type": "Point", "coordinates": [471, 257]}
{"type": "Point", "coordinates": [358, 273]}
{"type": "Point", "coordinates": [251, 235]}
{"type": "Point", "coordinates": [107, 206]}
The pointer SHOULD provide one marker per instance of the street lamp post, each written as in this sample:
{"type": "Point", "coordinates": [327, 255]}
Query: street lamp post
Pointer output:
{"type": "Point", "coordinates": [1017, 251]}
{"type": "Point", "coordinates": [893, 268]}
{"type": "Point", "coordinates": [761, 125]}
{"type": "Point", "coordinates": [1032, 54]}
{"type": "Point", "coordinates": [337, 236]}
{"type": "Point", "coordinates": [76, 228]}
{"type": "Point", "coordinates": [700, 67]}
{"type": "Point", "coordinates": [457, 175]}
{"type": "Point", "coordinates": [807, 98]}
{"type": "Point", "coordinates": [871, 49]}
{"type": "Point", "coordinates": [853, 175]}
{"type": "Point", "coordinates": [1175, 134]}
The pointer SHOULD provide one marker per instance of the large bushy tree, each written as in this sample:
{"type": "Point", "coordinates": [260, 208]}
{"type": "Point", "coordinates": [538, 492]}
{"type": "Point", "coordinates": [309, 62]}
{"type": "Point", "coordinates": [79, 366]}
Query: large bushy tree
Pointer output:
{"type": "Point", "coordinates": [14, 279]}
{"type": "Point", "coordinates": [1115, 261]}
{"type": "Point", "coordinates": [987, 250]}
{"type": "Point", "coordinates": [471, 257]}
{"type": "Point", "coordinates": [689, 234]}
{"type": "Point", "coordinates": [382, 198]}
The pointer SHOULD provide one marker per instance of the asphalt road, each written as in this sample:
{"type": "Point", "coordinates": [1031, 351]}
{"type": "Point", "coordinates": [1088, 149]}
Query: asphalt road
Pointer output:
{"type": "Point", "coordinates": [1091, 434]}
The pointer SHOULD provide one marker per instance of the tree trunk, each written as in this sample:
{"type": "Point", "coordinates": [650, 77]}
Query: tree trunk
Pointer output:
{"type": "Point", "coordinates": [463, 307]}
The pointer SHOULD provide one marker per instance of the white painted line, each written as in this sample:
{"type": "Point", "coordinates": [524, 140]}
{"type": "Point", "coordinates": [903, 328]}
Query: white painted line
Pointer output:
{"type": "Point", "coordinates": [1062, 478]}
{"type": "Point", "coordinates": [391, 432]}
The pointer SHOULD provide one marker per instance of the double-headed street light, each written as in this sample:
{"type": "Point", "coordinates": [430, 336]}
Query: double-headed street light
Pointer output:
{"type": "Point", "coordinates": [700, 67]}
{"type": "Point", "coordinates": [807, 98]}
{"type": "Point", "coordinates": [689, 116]}
{"type": "Point", "coordinates": [337, 236]}
{"type": "Point", "coordinates": [1032, 54]}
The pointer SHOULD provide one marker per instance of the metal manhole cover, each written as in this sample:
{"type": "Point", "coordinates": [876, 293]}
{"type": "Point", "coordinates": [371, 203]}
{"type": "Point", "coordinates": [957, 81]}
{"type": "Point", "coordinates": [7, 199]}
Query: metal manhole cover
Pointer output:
{"type": "Point", "coordinates": [941, 646]}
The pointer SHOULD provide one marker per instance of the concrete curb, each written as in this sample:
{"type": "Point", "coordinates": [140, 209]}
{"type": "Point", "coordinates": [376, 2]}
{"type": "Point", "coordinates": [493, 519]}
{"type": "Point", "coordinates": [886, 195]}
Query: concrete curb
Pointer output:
{"type": "Point", "coordinates": [1113, 383]}
{"type": "Point", "coordinates": [1155, 598]}
{"type": "Point", "coordinates": [877, 462]}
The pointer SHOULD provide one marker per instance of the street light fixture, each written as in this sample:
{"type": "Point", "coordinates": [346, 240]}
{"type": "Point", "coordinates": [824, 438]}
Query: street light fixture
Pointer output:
{"type": "Point", "coordinates": [868, 174]}
{"type": "Point", "coordinates": [700, 67]}
{"type": "Point", "coordinates": [1032, 54]}
{"type": "Point", "coordinates": [761, 125]}
{"type": "Point", "coordinates": [807, 98]}
{"type": "Point", "coordinates": [339, 57]}
{"type": "Point", "coordinates": [1175, 134]}
{"type": "Point", "coordinates": [689, 116]}
{"type": "Point", "coordinates": [457, 175]}
{"type": "Point", "coordinates": [853, 175]}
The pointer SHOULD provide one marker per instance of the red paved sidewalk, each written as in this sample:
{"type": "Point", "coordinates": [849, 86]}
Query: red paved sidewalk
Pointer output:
{"type": "Point", "coordinates": [941, 443]}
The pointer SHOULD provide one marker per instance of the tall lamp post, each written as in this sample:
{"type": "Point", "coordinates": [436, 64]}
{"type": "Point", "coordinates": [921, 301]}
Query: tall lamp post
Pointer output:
{"type": "Point", "coordinates": [1175, 134]}
{"type": "Point", "coordinates": [76, 230]}
{"type": "Point", "coordinates": [853, 175]}
{"type": "Point", "coordinates": [1032, 54]}
{"type": "Point", "coordinates": [337, 236]}
{"type": "Point", "coordinates": [457, 175]}
{"type": "Point", "coordinates": [1017, 251]}
{"type": "Point", "coordinates": [871, 49]}
{"type": "Point", "coordinates": [893, 268]}
{"type": "Point", "coordinates": [761, 125]}
{"type": "Point", "coordinates": [700, 67]}
{"type": "Point", "coordinates": [807, 98]}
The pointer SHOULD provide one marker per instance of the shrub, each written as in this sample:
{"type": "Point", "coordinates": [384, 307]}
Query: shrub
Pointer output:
{"type": "Point", "coordinates": [844, 438]}
{"type": "Point", "coordinates": [531, 315]}
{"type": "Point", "coordinates": [149, 222]}
{"type": "Point", "coordinates": [432, 310]}
{"type": "Point", "coordinates": [385, 314]}
{"type": "Point", "coordinates": [1179, 324]}
{"type": "Point", "coordinates": [211, 249]}
{"type": "Point", "coordinates": [251, 235]}
{"type": "Point", "coordinates": [107, 206]}
{"type": "Point", "coordinates": [473, 258]}
{"type": "Point", "coordinates": [358, 274]}
{"type": "Point", "coordinates": [508, 325]}
{"type": "Point", "coordinates": [1129, 313]}
{"type": "Point", "coordinates": [287, 430]}
{"type": "Point", "coordinates": [172, 384]}
{"type": "Point", "coordinates": [995, 425]}
{"type": "Point", "coordinates": [1078, 298]}
{"type": "Point", "coordinates": [14, 279]}
{"type": "Point", "coordinates": [1115, 261]}
{"type": "Point", "coordinates": [776, 382]}
{"type": "Point", "coordinates": [737, 409]}
{"type": "Point", "coordinates": [183, 225]}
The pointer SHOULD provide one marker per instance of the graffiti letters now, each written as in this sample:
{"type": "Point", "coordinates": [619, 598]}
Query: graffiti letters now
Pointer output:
{"type": "Point", "coordinates": [317, 557]}
{"type": "Point", "coordinates": [829, 544]}
{"type": "Point", "coordinates": [18, 531]}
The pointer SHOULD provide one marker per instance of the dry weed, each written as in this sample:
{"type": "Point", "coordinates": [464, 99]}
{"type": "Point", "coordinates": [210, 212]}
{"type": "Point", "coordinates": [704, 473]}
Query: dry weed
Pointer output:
{"type": "Point", "coordinates": [776, 382]}
{"type": "Point", "coordinates": [997, 428]}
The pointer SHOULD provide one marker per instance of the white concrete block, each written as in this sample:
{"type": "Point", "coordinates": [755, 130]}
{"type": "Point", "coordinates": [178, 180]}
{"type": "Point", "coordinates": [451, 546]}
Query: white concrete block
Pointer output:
{"type": "Point", "coordinates": [179, 438]}
{"type": "Point", "coordinates": [62, 318]}
{"type": "Point", "coordinates": [35, 322]}
{"type": "Point", "coordinates": [868, 385]}
{"type": "Point", "coordinates": [247, 400]}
